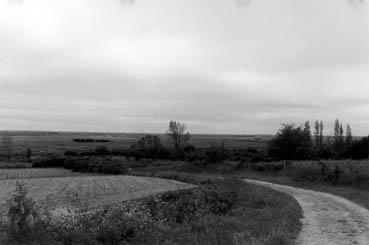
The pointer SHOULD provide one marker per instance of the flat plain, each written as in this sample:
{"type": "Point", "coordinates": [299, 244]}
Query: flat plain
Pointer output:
{"type": "Point", "coordinates": [43, 143]}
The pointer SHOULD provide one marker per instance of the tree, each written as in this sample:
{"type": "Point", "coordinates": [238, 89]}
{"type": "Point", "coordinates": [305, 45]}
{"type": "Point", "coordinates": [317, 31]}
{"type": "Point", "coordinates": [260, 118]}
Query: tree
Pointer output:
{"type": "Point", "coordinates": [21, 214]}
{"type": "Point", "coordinates": [317, 134]}
{"type": "Point", "coordinates": [338, 138]}
{"type": "Point", "coordinates": [348, 139]}
{"type": "Point", "coordinates": [307, 134]}
{"type": "Point", "coordinates": [321, 133]}
{"type": "Point", "coordinates": [149, 146]}
{"type": "Point", "coordinates": [7, 143]}
{"type": "Point", "coordinates": [28, 153]}
{"type": "Point", "coordinates": [290, 143]}
{"type": "Point", "coordinates": [217, 152]}
{"type": "Point", "coordinates": [359, 149]}
{"type": "Point", "coordinates": [307, 142]}
{"type": "Point", "coordinates": [177, 133]}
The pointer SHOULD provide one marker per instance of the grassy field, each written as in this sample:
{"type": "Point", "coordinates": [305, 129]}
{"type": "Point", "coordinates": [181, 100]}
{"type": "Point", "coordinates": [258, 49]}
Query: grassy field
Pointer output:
{"type": "Point", "coordinates": [49, 188]}
{"type": "Point", "coordinates": [42, 143]}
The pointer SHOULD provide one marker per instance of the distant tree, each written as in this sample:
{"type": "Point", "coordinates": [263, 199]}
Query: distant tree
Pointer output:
{"type": "Point", "coordinates": [358, 149]}
{"type": "Point", "coordinates": [101, 150]}
{"type": "Point", "coordinates": [216, 152]}
{"type": "Point", "coordinates": [338, 138]}
{"type": "Point", "coordinates": [22, 214]}
{"type": "Point", "coordinates": [307, 143]}
{"type": "Point", "coordinates": [317, 134]}
{"type": "Point", "coordinates": [8, 146]}
{"type": "Point", "coordinates": [321, 133]}
{"type": "Point", "coordinates": [177, 133]}
{"type": "Point", "coordinates": [307, 134]}
{"type": "Point", "coordinates": [149, 146]}
{"type": "Point", "coordinates": [348, 138]}
{"type": "Point", "coordinates": [28, 153]}
{"type": "Point", "coordinates": [290, 143]}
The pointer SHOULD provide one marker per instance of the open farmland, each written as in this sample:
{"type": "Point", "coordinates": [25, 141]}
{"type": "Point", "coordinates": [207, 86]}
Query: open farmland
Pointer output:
{"type": "Point", "coordinates": [96, 191]}
{"type": "Point", "coordinates": [42, 143]}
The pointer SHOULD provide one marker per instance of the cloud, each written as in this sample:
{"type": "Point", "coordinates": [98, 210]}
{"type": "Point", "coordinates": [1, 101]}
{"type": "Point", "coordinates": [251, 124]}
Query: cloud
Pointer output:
{"type": "Point", "coordinates": [97, 65]}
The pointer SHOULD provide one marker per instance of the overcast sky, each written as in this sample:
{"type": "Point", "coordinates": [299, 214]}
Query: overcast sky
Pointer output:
{"type": "Point", "coordinates": [97, 65]}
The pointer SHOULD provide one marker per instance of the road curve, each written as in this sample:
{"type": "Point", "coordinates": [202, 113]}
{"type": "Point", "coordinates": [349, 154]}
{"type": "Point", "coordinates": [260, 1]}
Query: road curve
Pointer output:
{"type": "Point", "coordinates": [328, 219]}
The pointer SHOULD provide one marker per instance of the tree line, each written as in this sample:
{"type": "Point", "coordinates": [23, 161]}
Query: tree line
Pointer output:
{"type": "Point", "coordinates": [298, 143]}
{"type": "Point", "coordinates": [290, 143]}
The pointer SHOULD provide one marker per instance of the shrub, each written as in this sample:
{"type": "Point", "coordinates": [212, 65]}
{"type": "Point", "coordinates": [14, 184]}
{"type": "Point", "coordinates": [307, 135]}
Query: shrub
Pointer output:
{"type": "Point", "coordinates": [101, 150]}
{"type": "Point", "coordinates": [290, 143]}
{"type": "Point", "coordinates": [359, 149]}
{"type": "Point", "coordinates": [28, 153]}
{"type": "Point", "coordinates": [22, 215]}
{"type": "Point", "coordinates": [70, 153]}
{"type": "Point", "coordinates": [148, 147]}
{"type": "Point", "coordinates": [52, 162]}
{"type": "Point", "coordinates": [216, 152]}
{"type": "Point", "coordinates": [196, 166]}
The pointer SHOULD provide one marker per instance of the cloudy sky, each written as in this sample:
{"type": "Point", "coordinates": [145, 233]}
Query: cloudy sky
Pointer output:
{"type": "Point", "coordinates": [220, 66]}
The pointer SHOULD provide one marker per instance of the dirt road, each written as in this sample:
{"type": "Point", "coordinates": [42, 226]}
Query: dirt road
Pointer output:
{"type": "Point", "coordinates": [328, 219]}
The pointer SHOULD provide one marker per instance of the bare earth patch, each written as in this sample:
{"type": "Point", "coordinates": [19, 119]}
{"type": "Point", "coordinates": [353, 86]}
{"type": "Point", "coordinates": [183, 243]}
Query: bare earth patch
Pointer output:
{"type": "Point", "coordinates": [328, 219]}
{"type": "Point", "coordinates": [98, 191]}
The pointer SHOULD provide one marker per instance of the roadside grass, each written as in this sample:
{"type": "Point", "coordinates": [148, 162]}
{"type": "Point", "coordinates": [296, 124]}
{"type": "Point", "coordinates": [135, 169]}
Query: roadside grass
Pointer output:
{"type": "Point", "coordinates": [356, 195]}
{"type": "Point", "coordinates": [264, 216]}
{"type": "Point", "coordinates": [350, 181]}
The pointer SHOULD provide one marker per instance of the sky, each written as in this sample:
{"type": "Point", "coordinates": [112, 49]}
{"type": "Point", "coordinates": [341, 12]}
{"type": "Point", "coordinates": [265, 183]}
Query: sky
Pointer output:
{"type": "Point", "coordinates": [219, 66]}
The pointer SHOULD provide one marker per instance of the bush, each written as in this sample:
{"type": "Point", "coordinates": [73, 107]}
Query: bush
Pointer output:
{"type": "Point", "coordinates": [358, 150]}
{"type": "Point", "coordinates": [70, 153]}
{"type": "Point", "coordinates": [290, 143]}
{"type": "Point", "coordinates": [88, 140]}
{"type": "Point", "coordinates": [104, 165]}
{"type": "Point", "coordinates": [196, 166]}
{"type": "Point", "coordinates": [148, 147]}
{"type": "Point", "coordinates": [21, 215]}
{"type": "Point", "coordinates": [217, 152]}
{"type": "Point", "coordinates": [52, 162]}
{"type": "Point", "coordinates": [101, 150]}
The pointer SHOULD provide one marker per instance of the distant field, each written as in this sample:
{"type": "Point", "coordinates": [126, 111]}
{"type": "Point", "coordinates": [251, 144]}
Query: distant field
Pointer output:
{"type": "Point", "coordinates": [97, 191]}
{"type": "Point", "coordinates": [58, 142]}
{"type": "Point", "coordinates": [36, 173]}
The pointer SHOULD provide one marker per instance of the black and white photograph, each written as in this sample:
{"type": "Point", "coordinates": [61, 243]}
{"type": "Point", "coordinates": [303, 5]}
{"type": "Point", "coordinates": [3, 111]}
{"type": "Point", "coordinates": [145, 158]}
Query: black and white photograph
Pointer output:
{"type": "Point", "coordinates": [184, 122]}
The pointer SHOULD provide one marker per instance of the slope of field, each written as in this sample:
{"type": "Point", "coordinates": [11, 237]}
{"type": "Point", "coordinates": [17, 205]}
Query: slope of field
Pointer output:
{"type": "Point", "coordinates": [94, 191]}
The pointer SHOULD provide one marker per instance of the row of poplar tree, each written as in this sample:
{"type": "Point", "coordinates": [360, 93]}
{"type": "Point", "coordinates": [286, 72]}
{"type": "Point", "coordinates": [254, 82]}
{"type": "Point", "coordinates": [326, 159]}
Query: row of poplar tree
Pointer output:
{"type": "Point", "coordinates": [299, 143]}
